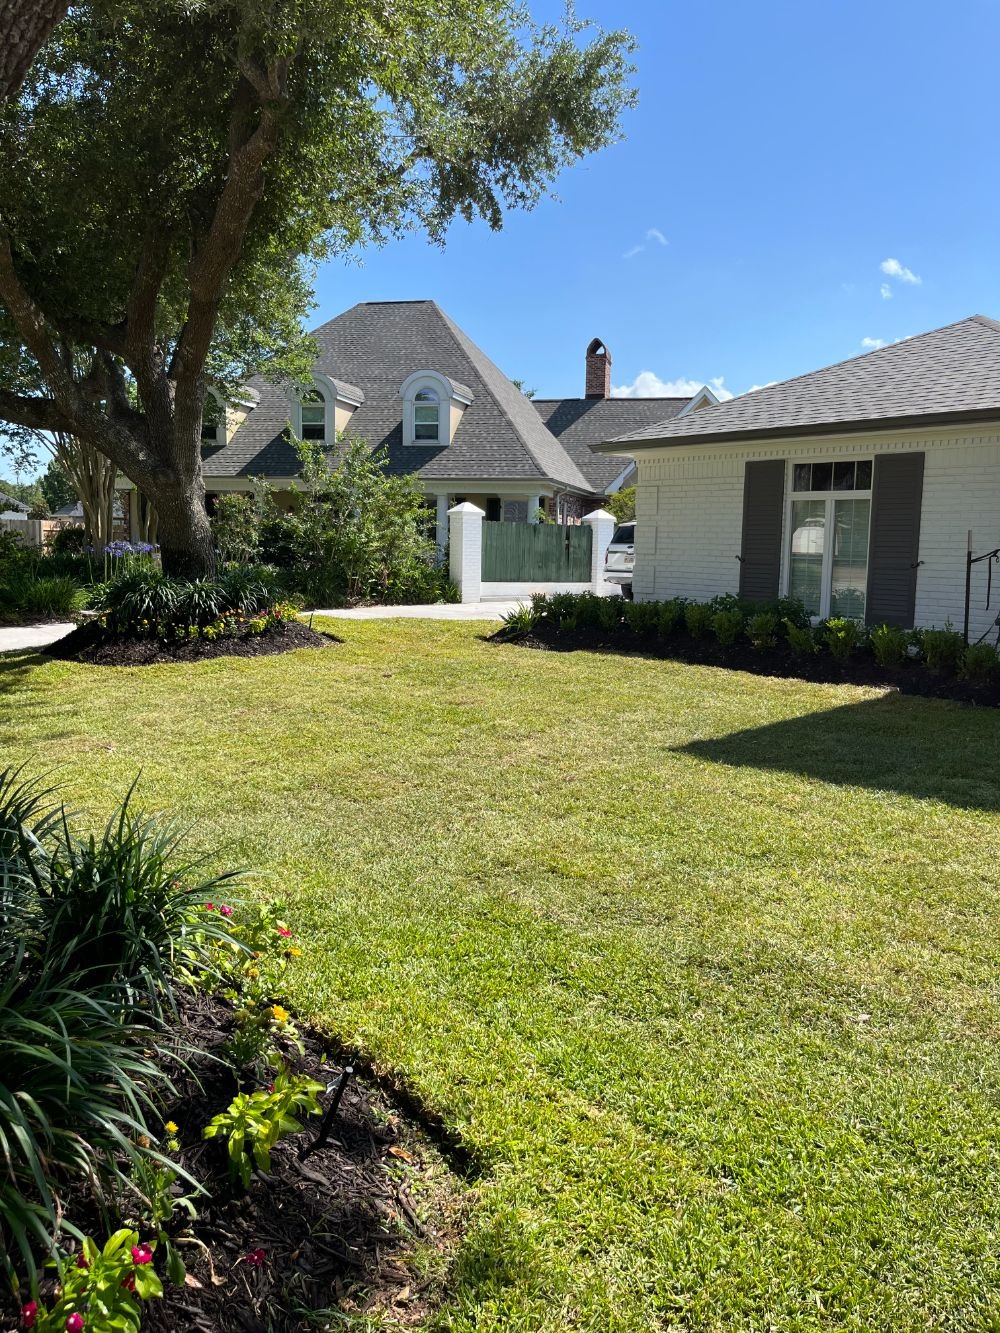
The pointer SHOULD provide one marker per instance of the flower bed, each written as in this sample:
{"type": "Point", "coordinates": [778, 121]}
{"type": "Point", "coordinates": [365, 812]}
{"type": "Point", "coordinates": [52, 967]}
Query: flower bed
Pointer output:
{"type": "Point", "coordinates": [773, 639]}
{"type": "Point", "coordinates": [188, 1157]}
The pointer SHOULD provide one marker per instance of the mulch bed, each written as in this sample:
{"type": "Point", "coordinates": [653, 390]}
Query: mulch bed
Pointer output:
{"type": "Point", "coordinates": [861, 669]}
{"type": "Point", "coordinates": [338, 1229]}
{"type": "Point", "coordinates": [89, 643]}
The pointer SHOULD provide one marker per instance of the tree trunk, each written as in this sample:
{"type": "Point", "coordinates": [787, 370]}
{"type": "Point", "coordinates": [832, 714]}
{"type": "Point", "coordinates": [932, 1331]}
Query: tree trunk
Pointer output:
{"type": "Point", "coordinates": [187, 549]}
{"type": "Point", "coordinates": [24, 26]}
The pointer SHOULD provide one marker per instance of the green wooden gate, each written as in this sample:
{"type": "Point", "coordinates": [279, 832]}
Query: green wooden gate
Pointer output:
{"type": "Point", "coordinates": [536, 552]}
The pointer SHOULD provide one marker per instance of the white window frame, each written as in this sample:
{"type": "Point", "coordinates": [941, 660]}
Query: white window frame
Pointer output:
{"type": "Point", "coordinates": [446, 395]}
{"type": "Point", "coordinates": [329, 415]}
{"type": "Point", "coordinates": [829, 498]}
{"type": "Point", "coordinates": [417, 405]}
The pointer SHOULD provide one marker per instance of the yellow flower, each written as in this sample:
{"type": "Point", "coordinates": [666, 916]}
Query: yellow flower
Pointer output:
{"type": "Point", "coordinates": [170, 1127]}
{"type": "Point", "coordinates": [253, 972]}
{"type": "Point", "coordinates": [293, 952]}
{"type": "Point", "coordinates": [279, 1013]}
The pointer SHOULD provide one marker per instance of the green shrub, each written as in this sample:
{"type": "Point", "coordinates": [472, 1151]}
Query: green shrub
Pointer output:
{"type": "Point", "coordinates": [801, 640]}
{"type": "Point", "coordinates": [842, 636]}
{"type": "Point", "coordinates": [762, 629]}
{"type": "Point", "coordinates": [69, 541]}
{"type": "Point", "coordinates": [522, 620]}
{"type": "Point", "coordinates": [943, 650]}
{"type": "Point", "coordinates": [642, 618]}
{"type": "Point", "coordinates": [728, 626]}
{"type": "Point", "coordinates": [669, 616]}
{"type": "Point", "coordinates": [57, 596]}
{"type": "Point", "coordinates": [889, 645]}
{"type": "Point", "coordinates": [254, 1122]}
{"type": "Point", "coordinates": [698, 619]}
{"type": "Point", "coordinates": [981, 663]}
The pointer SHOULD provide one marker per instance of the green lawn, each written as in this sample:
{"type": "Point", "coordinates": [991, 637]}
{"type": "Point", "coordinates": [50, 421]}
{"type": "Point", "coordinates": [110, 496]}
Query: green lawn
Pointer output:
{"type": "Point", "coordinates": [702, 968]}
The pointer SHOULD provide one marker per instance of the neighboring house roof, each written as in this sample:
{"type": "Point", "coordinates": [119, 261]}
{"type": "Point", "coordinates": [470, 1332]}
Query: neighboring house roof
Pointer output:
{"type": "Point", "coordinates": [8, 502]}
{"type": "Point", "coordinates": [76, 510]}
{"type": "Point", "coordinates": [377, 346]}
{"type": "Point", "coordinates": [948, 375]}
{"type": "Point", "coordinates": [580, 423]}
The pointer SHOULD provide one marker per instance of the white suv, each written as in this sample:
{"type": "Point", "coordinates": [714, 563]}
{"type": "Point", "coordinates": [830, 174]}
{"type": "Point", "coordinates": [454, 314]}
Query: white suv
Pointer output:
{"type": "Point", "coordinates": [620, 559]}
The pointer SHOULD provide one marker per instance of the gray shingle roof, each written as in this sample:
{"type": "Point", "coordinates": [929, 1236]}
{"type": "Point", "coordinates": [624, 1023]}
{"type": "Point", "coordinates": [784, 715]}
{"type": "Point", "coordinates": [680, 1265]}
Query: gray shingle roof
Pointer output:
{"type": "Point", "coordinates": [377, 345]}
{"type": "Point", "coordinates": [8, 502]}
{"type": "Point", "coordinates": [948, 374]}
{"type": "Point", "coordinates": [580, 423]}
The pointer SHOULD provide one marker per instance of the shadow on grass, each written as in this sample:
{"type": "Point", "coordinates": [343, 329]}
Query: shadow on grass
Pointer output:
{"type": "Point", "coordinates": [928, 750]}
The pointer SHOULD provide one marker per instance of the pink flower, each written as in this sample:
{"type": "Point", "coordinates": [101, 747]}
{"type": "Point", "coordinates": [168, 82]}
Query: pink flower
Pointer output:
{"type": "Point", "coordinates": [225, 911]}
{"type": "Point", "coordinates": [128, 1282]}
{"type": "Point", "coordinates": [209, 907]}
{"type": "Point", "coordinates": [142, 1254]}
{"type": "Point", "coordinates": [29, 1313]}
{"type": "Point", "coordinates": [284, 932]}
{"type": "Point", "coordinates": [256, 1257]}
{"type": "Point", "coordinates": [74, 1323]}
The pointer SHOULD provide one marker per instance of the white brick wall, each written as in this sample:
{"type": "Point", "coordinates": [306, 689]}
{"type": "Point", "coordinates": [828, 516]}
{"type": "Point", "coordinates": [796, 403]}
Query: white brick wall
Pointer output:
{"type": "Point", "coordinates": [689, 515]}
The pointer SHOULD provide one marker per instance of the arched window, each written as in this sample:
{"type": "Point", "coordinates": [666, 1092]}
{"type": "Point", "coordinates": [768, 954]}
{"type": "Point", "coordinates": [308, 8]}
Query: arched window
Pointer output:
{"type": "Point", "coordinates": [313, 410]}
{"type": "Point", "coordinates": [211, 420]}
{"type": "Point", "coordinates": [426, 417]}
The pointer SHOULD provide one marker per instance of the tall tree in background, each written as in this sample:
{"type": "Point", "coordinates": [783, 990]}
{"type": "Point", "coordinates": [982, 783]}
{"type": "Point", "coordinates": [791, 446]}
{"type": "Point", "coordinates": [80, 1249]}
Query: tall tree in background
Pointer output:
{"type": "Point", "coordinates": [169, 175]}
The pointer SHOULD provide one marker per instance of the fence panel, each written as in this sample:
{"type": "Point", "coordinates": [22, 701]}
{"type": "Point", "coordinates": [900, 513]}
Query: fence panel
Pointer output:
{"type": "Point", "coordinates": [539, 552]}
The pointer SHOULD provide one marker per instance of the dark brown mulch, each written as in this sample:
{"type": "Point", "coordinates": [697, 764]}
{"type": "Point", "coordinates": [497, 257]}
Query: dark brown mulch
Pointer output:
{"type": "Point", "coordinates": [89, 643]}
{"type": "Point", "coordinates": [338, 1228]}
{"type": "Point", "coordinates": [861, 669]}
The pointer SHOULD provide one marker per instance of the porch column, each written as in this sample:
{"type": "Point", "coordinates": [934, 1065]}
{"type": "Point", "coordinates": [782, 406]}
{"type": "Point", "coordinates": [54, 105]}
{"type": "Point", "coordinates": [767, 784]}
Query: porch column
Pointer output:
{"type": "Point", "coordinates": [534, 504]}
{"type": "Point", "coordinates": [602, 527]}
{"type": "Point", "coordinates": [465, 550]}
{"type": "Point", "coordinates": [441, 526]}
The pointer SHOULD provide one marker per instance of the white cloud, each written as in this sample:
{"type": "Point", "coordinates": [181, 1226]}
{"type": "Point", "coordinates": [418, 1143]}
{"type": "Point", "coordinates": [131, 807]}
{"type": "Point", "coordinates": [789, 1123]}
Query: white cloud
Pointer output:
{"type": "Point", "coordinates": [871, 344]}
{"type": "Point", "coordinates": [886, 291]}
{"type": "Point", "coordinates": [647, 384]}
{"type": "Point", "coordinates": [892, 268]}
{"type": "Point", "coordinates": [652, 234]}
{"type": "Point", "coordinates": [754, 388]}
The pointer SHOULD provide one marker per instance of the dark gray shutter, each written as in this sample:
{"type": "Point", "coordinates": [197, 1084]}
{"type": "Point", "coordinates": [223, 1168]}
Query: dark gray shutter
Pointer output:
{"type": "Point", "coordinates": [760, 555]}
{"type": "Point", "coordinates": [894, 543]}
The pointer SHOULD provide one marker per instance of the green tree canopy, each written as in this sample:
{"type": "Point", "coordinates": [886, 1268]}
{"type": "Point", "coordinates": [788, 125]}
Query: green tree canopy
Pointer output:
{"type": "Point", "coordinates": [170, 174]}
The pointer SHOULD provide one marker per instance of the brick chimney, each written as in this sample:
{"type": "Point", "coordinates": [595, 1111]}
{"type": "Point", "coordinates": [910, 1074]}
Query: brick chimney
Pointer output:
{"type": "Point", "coordinates": [598, 370]}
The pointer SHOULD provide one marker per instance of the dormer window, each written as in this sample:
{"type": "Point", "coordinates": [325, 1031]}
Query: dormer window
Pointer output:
{"type": "Point", "coordinates": [212, 417]}
{"type": "Point", "coordinates": [433, 406]}
{"type": "Point", "coordinates": [313, 416]}
{"type": "Point", "coordinates": [426, 417]}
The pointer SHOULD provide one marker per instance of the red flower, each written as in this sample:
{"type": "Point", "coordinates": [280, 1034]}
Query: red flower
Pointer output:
{"type": "Point", "coordinates": [225, 911]}
{"type": "Point", "coordinates": [209, 907]}
{"type": "Point", "coordinates": [82, 1260]}
{"type": "Point", "coordinates": [29, 1313]}
{"type": "Point", "coordinates": [74, 1323]}
{"type": "Point", "coordinates": [256, 1257]}
{"type": "Point", "coordinates": [128, 1282]}
{"type": "Point", "coordinates": [142, 1254]}
{"type": "Point", "coordinates": [284, 932]}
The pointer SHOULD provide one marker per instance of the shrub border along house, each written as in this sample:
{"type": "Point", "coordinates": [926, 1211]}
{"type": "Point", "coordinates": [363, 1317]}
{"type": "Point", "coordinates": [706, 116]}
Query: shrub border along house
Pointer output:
{"type": "Point", "coordinates": [772, 638]}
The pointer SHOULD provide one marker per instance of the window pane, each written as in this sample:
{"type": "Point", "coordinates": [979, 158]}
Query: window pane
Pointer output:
{"type": "Point", "coordinates": [425, 396]}
{"type": "Point", "coordinates": [425, 414]}
{"type": "Point", "coordinates": [806, 563]}
{"type": "Point", "coordinates": [850, 558]}
{"type": "Point", "coordinates": [843, 476]}
{"type": "Point", "coordinates": [800, 477]}
{"type": "Point", "coordinates": [425, 432]}
{"type": "Point", "coordinates": [864, 477]}
{"type": "Point", "coordinates": [822, 478]}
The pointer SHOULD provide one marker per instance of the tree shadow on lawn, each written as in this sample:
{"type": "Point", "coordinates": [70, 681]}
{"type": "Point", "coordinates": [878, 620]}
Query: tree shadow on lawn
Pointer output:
{"type": "Point", "coordinates": [930, 750]}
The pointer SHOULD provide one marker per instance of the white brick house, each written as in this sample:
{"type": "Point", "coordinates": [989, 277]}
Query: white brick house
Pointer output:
{"type": "Point", "coordinates": [854, 488]}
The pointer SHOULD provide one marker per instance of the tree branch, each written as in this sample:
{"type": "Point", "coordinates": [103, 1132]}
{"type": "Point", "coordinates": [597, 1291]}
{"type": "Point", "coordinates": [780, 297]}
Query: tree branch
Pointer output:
{"type": "Point", "coordinates": [24, 26]}
{"type": "Point", "coordinates": [35, 413]}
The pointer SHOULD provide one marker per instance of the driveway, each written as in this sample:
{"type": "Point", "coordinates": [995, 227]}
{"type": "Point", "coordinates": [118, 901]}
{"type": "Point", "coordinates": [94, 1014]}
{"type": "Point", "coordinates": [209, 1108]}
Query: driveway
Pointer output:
{"type": "Point", "coordinates": [439, 611]}
{"type": "Point", "coordinates": [15, 638]}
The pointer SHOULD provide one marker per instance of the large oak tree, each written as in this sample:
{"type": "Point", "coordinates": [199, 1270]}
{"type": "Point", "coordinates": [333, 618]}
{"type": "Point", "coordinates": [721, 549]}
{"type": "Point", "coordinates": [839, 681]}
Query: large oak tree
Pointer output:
{"type": "Point", "coordinates": [169, 174]}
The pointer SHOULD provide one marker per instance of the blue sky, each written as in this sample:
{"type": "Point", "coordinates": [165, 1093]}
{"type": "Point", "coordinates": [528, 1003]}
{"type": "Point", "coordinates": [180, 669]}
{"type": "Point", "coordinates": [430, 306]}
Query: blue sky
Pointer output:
{"type": "Point", "coordinates": [783, 152]}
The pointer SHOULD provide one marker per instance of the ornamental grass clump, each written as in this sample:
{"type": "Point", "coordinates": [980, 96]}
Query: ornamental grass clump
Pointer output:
{"type": "Point", "coordinates": [143, 602]}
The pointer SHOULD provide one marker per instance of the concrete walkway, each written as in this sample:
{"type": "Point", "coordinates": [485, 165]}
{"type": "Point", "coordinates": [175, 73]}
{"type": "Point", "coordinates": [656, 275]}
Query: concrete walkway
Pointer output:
{"type": "Point", "coordinates": [16, 638]}
{"type": "Point", "coordinates": [439, 611]}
